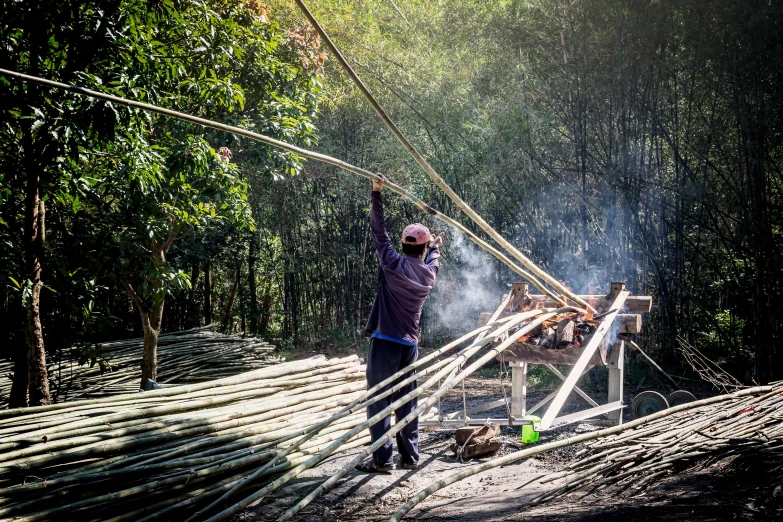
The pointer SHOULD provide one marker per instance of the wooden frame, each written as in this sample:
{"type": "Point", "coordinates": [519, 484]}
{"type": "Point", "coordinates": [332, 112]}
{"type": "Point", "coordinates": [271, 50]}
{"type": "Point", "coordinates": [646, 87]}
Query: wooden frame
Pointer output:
{"type": "Point", "coordinates": [597, 352]}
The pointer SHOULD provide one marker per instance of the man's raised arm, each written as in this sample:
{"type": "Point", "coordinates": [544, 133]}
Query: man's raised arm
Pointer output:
{"type": "Point", "coordinates": [386, 253]}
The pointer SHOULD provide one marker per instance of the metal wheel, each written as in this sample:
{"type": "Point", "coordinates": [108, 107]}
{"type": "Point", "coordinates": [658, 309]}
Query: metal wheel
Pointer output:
{"type": "Point", "coordinates": [680, 397]}
{"type": "Point", "coordinates": [647, 403]}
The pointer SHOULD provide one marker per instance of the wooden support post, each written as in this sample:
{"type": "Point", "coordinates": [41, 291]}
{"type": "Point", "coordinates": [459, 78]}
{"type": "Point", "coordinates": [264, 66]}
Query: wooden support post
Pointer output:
{"type": "Point", "coordinates": [520, 299]}
{"type": "Point", "coordinates": [518, 389]}
{"type": "Point", "coordinates": [577, 389]}
{"type": "Point", "coordinates": [616, 365]}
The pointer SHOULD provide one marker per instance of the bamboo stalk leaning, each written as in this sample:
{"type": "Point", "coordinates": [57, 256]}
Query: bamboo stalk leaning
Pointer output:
{"type": "Point", "coordinates": [508, 247]}
{"type": "Point", "coordinates": [529, 275]}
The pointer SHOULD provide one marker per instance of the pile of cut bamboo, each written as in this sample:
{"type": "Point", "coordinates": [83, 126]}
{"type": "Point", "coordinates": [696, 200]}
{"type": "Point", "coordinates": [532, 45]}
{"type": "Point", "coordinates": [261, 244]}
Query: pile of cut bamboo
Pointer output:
{"type": "Point", "coordinates": [190, 449]}
{"type": "Point", "coordinates": [637, 454]}
{"type": "Point", "coordinates": [175, 447]}
{"type": "Point", "coordinates": [183, 357]}
{"type": "Point", "coordinates": [638, 458]}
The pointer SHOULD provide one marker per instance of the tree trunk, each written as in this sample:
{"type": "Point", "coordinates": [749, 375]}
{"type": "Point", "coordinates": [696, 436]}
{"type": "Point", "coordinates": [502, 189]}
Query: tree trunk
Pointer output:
{"type": "Point", "coordinates": [18, 397]}
{"type": "Point", "coordinates": [192, 313]}
{"type": "Point", "coordinates": [266, 307]}
{"type": "Point", "coordinates": [251, 280]}
{"type": "Point", "coordinates": [208, 293]}
{"type": "Point", "coordinates": [230, 304]}
{"type": "Point", "coordinates": [35, 234]}
{"type": "Point", "coordinates": [150, 322]}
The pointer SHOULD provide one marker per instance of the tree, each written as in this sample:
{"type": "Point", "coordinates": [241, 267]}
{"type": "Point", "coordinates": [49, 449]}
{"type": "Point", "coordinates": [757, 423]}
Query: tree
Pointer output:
{"type": "Point", "coordinates": [187, 55]}
{"type": "Point", "coordinates": [43, 135]}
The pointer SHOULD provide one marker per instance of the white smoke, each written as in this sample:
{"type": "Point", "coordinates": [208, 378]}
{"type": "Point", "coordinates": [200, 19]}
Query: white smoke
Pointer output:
{"type": "Point", "coordinates": [467, 285]}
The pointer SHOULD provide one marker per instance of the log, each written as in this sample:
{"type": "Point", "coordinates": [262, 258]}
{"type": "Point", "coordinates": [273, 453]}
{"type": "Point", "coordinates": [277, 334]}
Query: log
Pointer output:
{"type": "Point", "coordinates": [476, 449]}
{"type": "Point", "coordinates": [462, 435]}
{"type": "Point", "coordinates": [564, 334]}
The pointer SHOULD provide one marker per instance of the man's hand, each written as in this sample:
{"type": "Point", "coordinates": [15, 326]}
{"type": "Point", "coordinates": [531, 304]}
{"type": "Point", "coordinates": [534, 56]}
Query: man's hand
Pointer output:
{"type": "Point", "coordinates": [436, 241]}
{"type": "Point", "coordinates": [377, 185]}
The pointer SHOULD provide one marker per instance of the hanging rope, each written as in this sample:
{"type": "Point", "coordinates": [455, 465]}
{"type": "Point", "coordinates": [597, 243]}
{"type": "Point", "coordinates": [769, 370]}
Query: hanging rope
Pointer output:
{"type": "Point", "coordinates": [500, 240]}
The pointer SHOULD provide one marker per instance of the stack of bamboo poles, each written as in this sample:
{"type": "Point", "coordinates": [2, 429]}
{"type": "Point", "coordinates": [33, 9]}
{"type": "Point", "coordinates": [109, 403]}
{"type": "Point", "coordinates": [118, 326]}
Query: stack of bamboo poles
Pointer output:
{"type": "Point", "coordinates": [175, 447]}
{"type": "Point", "coordinates": [183, 357]}
{"type": "Point", "coordinates": [700, 435]}
{"type": "Point", "coordinates": [639, 453]}
{"type": "Point", "coordinates": [195, 449]}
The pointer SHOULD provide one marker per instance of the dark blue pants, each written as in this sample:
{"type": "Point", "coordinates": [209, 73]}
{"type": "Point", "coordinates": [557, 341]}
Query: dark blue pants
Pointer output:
{"type": "Point", "coordinates": [387, 358]}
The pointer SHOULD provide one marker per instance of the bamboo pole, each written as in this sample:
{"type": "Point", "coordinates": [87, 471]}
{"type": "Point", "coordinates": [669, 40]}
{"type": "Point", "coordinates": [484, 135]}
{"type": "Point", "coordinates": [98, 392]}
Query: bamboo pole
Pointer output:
{"type": "Point", "coordinates": [317, 157]}
{"type": "Point", "coordinates": [270, 372]}
{"type": "Point", "coordinates": [653, 364]}
{"type": "Point", "coordinates": [149, 468]}
{"type": "Point", "coordinates": [20, 460]}
{"type": "Point", "coordinates": [508, 247]}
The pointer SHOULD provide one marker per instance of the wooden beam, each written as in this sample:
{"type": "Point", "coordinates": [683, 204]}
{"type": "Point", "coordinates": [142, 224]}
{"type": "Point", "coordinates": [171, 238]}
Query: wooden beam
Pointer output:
{"type": "Point", "coordinates": [549, 397]}
{"type": "Point", "coordinates": [587, 354]}
{"type": "Point", "coordinates": [523, 352]}
{"type": "Point", "coordinates": [518, 389]}
{"type": "Point", "coordinates": [616, 365]}
{"type": "Point", "coordinates": [634, 303]}
{"type": "Point", "coordinates": [542, 402]}
{"type": "Point", "coordinates": [584, 414]}
{"type": "Point", "coordinates": [520, 299]}
{"type": "Point", "coordinates": [479, 408]}
{"type": "Point", "coordinates": [629, 323]}
{"type": "Point", "coordinates": [576, 388]}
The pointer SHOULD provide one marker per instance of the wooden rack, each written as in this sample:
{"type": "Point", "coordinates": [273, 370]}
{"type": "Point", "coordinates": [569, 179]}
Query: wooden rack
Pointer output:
{"type": "Point", "coordinates": [619, 315]}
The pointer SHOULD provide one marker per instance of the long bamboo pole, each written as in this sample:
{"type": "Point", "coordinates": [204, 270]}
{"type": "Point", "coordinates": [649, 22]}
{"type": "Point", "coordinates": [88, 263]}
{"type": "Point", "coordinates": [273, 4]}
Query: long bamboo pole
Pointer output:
{"type": "Point", "coordinates": [269, 372]}
{"type": "Point", "coordinates": [512, 457]}
{"type": "Point", "coordinates": [362, 402]}
{"type": "Point", "coordinates": [508, 247]}
{"type": "Point", "coordinates": [27, 458]}
{"type": "Point", "coordinates": [103, 491]}
{"type": "Point", "coordinates": [310, 155]}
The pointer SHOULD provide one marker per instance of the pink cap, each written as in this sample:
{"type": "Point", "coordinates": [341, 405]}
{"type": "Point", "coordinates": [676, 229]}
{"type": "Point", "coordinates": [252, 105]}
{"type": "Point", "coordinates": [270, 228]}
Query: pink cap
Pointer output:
{"type": "Point", "coordinates": [416, 234]}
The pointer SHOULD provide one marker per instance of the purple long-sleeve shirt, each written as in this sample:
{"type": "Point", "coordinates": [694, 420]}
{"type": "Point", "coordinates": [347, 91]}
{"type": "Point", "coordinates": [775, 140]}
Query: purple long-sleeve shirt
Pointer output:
{"type": "Point", "coordinates": [405, 283]}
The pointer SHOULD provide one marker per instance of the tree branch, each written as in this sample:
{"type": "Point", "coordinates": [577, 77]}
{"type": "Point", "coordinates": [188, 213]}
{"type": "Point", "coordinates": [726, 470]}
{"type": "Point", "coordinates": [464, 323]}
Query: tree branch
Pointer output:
{"type": "Point", "coordinates": [134, 296]}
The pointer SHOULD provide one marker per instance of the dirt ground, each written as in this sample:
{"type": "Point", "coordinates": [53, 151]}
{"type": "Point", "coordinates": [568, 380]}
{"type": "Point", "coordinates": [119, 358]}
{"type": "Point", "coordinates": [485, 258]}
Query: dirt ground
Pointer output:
{"type": "Point", "coordinates": [719, 493]}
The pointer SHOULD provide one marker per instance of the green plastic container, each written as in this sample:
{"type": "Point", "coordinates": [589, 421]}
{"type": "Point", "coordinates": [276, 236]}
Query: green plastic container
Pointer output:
{"type": "Point", "coordinates": [530, 431]}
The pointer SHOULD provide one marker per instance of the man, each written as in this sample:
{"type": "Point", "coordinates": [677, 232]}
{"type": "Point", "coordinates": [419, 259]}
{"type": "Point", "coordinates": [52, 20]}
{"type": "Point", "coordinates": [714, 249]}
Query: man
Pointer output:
{"type": "Point", "coordinates": [405, 282]}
